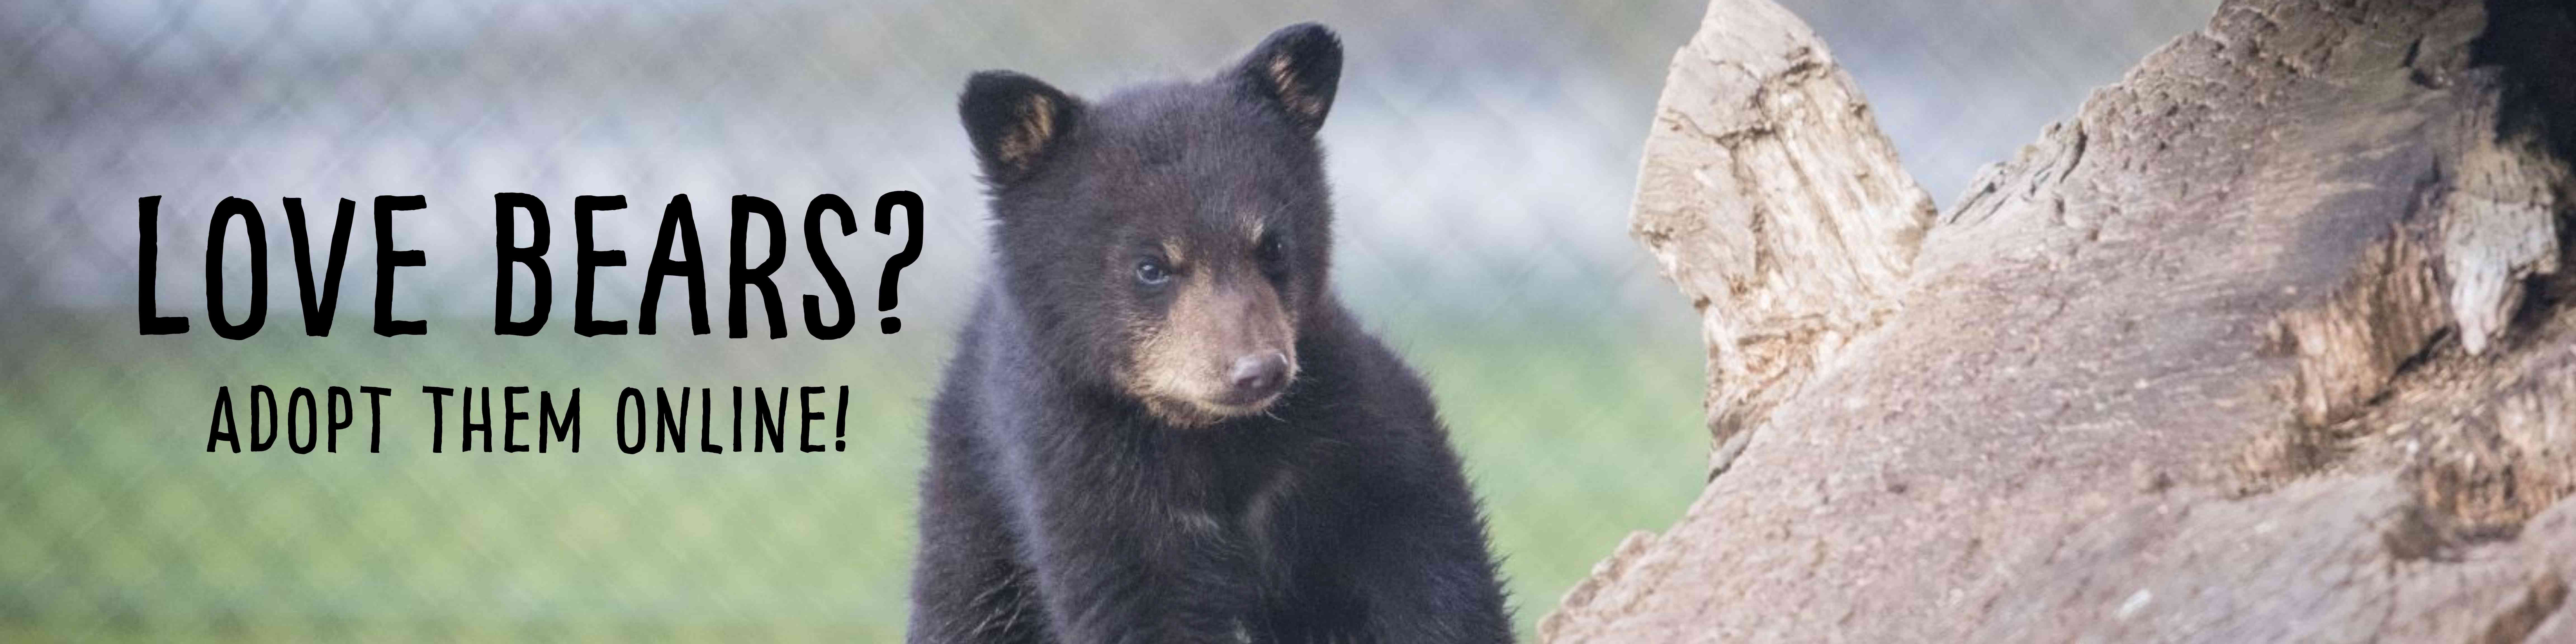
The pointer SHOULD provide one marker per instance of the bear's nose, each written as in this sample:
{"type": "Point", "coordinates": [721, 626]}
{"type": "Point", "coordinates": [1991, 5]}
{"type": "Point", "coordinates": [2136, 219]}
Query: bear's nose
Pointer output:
{"type": "Point", "coordinates": [1257, 376]}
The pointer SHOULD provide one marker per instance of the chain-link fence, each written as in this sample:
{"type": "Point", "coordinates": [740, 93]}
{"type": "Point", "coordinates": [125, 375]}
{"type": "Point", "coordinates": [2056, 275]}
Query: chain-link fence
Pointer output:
{"type": "Point", "coordinates": [1483, 156]}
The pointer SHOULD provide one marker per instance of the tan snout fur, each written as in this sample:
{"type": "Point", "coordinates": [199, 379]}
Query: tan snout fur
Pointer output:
{"type": "Point", "coordinates": [1181, 365]}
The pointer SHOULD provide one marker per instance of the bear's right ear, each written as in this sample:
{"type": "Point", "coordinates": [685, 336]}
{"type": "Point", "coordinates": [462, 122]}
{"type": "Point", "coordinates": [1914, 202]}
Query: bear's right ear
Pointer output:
{"type": "Point", "coordinates": [1014, 121]}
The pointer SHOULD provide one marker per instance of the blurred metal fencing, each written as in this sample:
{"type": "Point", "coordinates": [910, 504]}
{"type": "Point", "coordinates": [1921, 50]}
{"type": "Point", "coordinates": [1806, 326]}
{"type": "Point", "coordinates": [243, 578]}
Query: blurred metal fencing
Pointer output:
{"type": "Point", "coordinates": [1483, 155]}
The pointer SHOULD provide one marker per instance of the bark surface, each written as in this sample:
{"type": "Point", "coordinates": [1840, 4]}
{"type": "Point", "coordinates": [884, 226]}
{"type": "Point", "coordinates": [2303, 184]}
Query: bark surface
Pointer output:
{"type": "Point", "coordinates": [2272, 341]}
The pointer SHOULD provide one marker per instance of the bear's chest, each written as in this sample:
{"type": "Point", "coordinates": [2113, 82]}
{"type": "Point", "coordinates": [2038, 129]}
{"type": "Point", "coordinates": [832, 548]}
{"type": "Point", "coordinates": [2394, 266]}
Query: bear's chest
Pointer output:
{"type": "Point", "coordinates": [1250, 516]}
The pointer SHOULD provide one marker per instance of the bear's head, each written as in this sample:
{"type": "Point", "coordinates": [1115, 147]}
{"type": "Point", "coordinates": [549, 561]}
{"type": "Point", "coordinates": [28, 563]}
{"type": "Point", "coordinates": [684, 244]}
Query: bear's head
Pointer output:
{"type": "Point", "coordinates": [1168, 242]}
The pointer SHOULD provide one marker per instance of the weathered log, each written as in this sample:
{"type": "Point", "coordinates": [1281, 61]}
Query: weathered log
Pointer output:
{"type": "Point", "coordinates": [2272, 341]}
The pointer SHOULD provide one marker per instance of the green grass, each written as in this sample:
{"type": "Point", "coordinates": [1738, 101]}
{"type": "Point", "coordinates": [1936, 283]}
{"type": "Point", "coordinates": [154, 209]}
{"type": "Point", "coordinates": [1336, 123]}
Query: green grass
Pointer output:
{"type": "Point", "coordinates": [123, 528]}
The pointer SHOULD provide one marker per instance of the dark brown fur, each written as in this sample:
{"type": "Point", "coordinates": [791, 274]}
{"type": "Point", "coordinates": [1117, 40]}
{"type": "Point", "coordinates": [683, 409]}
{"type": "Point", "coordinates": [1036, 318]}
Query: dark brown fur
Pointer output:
{"type": "Point", "coordinates": [1110, 459]}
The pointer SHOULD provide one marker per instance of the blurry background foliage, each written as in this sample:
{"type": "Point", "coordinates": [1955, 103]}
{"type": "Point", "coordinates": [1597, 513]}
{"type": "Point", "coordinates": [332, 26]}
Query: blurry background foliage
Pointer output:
{"type": "Point", "coordinates": [1483, 154]}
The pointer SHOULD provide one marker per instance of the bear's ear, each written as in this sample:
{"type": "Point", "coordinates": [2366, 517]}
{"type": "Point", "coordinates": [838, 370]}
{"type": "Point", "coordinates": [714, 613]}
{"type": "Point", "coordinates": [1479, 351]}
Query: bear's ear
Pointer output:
{"type": "Point", "coordinates": [1014, 121]}
{"type": "Point", "coordinates": [1296, 69]}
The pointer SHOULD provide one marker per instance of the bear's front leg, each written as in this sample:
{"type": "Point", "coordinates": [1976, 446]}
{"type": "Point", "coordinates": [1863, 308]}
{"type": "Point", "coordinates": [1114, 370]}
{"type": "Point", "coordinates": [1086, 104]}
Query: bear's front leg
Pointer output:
{"type": "Point", "coordinates": [1420, 568]}
{"type": "Point", "coordinates": [1117, 563]}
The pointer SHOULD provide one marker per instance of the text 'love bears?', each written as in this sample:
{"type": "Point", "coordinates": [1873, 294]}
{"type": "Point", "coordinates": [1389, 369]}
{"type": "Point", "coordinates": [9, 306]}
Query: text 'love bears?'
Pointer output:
{"type": "Point", "coordinates": [320, 293]}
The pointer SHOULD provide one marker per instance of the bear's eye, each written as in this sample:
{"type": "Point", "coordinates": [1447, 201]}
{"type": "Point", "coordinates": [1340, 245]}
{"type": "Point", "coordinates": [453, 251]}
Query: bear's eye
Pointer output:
{"type": "Point", "coordinates": [1151, 272]}
{"type": "Point", "coordinates": [1273, 254]}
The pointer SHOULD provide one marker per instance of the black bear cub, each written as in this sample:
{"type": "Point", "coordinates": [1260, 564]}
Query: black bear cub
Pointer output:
{"type": "Point", "coordinates": [1160, 425]}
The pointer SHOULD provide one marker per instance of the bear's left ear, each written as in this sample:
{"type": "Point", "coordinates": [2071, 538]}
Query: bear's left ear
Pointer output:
{"type": "Point", "coordinates": [1296, 69]}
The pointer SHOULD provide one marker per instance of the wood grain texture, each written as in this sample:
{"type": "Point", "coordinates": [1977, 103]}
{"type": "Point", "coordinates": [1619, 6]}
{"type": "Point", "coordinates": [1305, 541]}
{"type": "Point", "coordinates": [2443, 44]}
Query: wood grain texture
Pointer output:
{"type": "Point", "coordinates": [2270, 342]}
